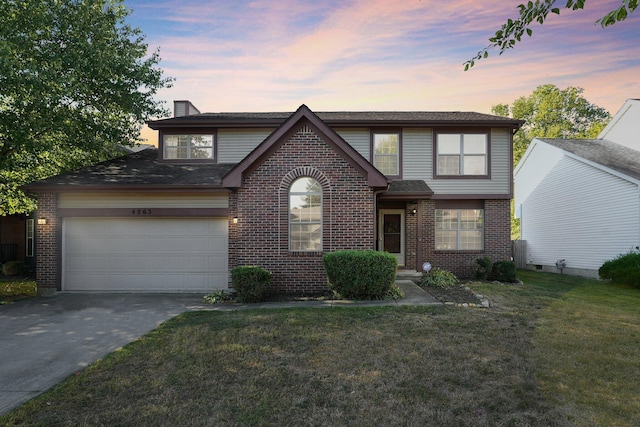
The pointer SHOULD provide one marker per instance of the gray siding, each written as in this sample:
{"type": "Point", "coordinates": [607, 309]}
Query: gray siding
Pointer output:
{"type": "Point", "coordinates": [417, 154]}
{"type": "Point", "coordinates": [360, 139]}
{"type": "Point", "coordinates": [235, 144]}
{"type": "Point", "coordinates": [500, 182]}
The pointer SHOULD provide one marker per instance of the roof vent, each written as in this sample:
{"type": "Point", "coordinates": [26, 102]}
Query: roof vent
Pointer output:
{"type": "Point", "coordinates": [184, 108]}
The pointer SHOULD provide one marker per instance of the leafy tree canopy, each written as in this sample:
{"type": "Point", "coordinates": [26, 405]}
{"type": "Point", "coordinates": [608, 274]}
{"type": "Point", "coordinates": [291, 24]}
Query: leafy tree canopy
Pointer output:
{"type": "Point", "coordinates": [512, 31]}
{"type": "Point", "coordinates": [76, 83]}
{"type": "Point", "coordinates": [550, 112]}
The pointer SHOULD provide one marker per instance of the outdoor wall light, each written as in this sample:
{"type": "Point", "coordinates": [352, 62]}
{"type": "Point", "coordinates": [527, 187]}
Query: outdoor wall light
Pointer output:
{"type": "Point", "coordinates": [42, 221]}
{"type": "Point", "coordinates": [235, 219]}
{"type": "Point", "coordinates": [414, 211]}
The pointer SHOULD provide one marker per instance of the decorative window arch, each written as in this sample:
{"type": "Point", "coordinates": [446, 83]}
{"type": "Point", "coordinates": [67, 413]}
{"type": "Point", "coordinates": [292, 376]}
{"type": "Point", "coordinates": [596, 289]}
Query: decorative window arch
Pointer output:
{"type": "Point", "coordinates": [305, 215]}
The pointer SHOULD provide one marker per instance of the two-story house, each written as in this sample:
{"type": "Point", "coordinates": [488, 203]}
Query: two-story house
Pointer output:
{"type": "Point", "coordinates": [279, 190]}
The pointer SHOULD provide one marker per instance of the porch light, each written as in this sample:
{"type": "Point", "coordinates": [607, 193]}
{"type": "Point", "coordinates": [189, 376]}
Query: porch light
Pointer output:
{"type": "Point", "coordinates": [414, 211]}
{"type": "Point", "coordinates": [42, 221]}
{"type": "Point", "coordinates": [235, 219]}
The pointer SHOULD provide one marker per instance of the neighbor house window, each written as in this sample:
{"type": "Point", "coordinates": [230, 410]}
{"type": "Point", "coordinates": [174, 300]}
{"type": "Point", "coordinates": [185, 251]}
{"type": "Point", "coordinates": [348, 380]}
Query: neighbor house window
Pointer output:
{"type": "Point", "coordinates": [30, 234]}
{"type": "Point", "coordinates": [386, 153]}
{"type": "Point", "coordinates": [305, 215]}
{"type": "Point", "coordinates": [188, 147]}
{"type": "Point", "coordinates": [462, 154]}
{"type": "Point", "coordinates": [459, 229]}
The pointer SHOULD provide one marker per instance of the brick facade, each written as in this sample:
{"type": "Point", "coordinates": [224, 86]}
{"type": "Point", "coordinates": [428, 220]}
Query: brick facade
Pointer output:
{"type": "Point", "coordinates": [262, 206]}
{"type": "Point", "coordinates": [497, 239]}
{"type": "Point", "coordinates": [48, 244]}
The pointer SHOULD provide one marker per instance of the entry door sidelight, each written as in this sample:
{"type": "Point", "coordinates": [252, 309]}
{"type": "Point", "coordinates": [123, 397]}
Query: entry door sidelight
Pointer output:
{"type": "Point", "coordinates": [391, 233]}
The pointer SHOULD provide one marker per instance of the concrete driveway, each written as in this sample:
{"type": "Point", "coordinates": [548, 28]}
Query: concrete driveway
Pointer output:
{"type": "Point", "coordinates": [43, 340]}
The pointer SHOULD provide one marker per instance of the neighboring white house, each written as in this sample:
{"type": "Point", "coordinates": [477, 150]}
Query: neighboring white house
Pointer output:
{"type": "Point", "coordinates": [579, 199]}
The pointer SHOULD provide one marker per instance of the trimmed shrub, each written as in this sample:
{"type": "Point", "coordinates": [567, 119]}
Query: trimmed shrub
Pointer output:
{"type": "Point", "coordinates": [624, 269]}
{"type": "Point", "coordinates": [251, 283]}
{"type": "Point", "coordinates": [360, 274]}
{"type": "Point", "coordinates": [14, 268]}
{"type": "Point", "coordinates": [439, 278]}
{"type": "Point", "coordinates": [482, 267]}
{"type": "Point", "coordinates": [504, 271]}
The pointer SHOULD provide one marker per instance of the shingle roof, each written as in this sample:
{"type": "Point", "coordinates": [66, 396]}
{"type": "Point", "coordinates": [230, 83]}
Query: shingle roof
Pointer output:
{"type": "Point", "coordinates": [606, 153]}
{"type": "Point", "coordinates": [407, 188]}
{"type": "Point", "coordinates": [343, 118]}
{"type": "Point", "coordinates": [139, 169]}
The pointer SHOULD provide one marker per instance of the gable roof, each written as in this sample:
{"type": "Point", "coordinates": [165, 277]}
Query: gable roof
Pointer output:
{"type": "Point", "coordinates": [606, 153]}
{"type": "Point", "coordinates": [304, 115]}
{"type": "Point", "coordinates": [342, 119]}
{"type": "Point", "coordinates": [137, 170]}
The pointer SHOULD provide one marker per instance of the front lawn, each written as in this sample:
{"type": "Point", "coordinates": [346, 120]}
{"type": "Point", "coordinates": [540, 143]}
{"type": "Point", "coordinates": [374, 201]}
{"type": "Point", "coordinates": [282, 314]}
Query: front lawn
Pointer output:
{"type": "Point", "coordinates": [530, 359]}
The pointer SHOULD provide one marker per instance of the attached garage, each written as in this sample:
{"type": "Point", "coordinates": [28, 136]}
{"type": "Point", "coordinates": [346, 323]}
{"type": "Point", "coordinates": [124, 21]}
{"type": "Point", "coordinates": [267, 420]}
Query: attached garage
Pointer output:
{"type": "Point", "coordinates": [144, 254]}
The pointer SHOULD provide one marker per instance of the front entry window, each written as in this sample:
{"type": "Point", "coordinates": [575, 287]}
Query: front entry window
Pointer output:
{"type": "Point", "coordinates": [305, 215]}
{"type": "Point", "coordinates": [392, 233]}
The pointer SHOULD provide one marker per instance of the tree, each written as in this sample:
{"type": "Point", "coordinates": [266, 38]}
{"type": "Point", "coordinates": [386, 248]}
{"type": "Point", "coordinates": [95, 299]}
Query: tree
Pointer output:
{"type": "Point", "coordinates": [76, 83]}
{"type": "Point", "coordinates": [511, 32]}
{"type": "Point", "coordinates": [550, 112]}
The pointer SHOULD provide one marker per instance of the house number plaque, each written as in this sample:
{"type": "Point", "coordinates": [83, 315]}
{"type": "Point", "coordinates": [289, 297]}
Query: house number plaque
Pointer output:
{"type": "Point", "coordinates": [141, 212]}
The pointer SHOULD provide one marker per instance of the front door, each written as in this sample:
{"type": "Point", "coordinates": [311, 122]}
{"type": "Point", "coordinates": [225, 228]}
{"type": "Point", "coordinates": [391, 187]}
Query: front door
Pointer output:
{"type": "Point", "coordinates": [391, 233]}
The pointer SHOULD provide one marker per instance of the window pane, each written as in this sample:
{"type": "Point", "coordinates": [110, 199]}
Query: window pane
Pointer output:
{"type": "Point", "coordinates": [388, 165]}
{"type": "Point", "coordinates": [201, 153]}
{"type": "Point", "coordinates": [202, 140]}
{"type": "Point", "coordinates": [305, 237]}
{"type": "Point", "coordinates": [449, 165]}
{"type": "Point", "coordinates": [448, 143]}
{"type": "Point", "coordinates": [471, 240]}
{"type": "Point", "coordinates": [459, 229]}
{"type": "Point", "coordinates": [306, 185]}
{"type": "Point", "coordinates": [386, 148]}
{"type": "Point", "coordinates": [475, 144]}
{"type": "Point", "coordinates": [446, 240]}
{"type": "Point", "coordinates": [475, 165]}
{"type": "Point", "coordinates": [305, 215]}
{"type": "Point", "coordinates": [385, 143]}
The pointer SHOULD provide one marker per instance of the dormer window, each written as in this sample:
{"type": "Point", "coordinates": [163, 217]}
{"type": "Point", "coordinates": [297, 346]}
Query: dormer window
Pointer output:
{"type": "Point", "coordinates": [189, 147]}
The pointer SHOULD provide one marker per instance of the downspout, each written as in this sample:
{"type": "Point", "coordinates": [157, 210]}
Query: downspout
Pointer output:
{"type": "Point", "coordinates": [375, 216]}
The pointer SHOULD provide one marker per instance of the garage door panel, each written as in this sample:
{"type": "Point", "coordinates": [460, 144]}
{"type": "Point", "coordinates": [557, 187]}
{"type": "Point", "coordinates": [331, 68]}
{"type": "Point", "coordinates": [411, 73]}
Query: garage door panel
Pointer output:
{"type": "Point", "coordinates": [145, 254]}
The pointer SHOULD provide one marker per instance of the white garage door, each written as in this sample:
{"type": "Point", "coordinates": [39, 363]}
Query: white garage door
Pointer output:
{"type": "Point", "coordinates": [144, 254]}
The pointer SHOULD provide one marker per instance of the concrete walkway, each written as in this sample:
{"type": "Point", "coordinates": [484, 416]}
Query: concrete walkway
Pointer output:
{"type": "Point", "coordinates": [44, 340]}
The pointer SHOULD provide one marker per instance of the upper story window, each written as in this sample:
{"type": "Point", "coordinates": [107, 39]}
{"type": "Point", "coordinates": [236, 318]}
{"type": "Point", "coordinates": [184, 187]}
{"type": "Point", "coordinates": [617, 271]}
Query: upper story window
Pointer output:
{"type": "Point", "coordinates": [462, 154]}
{"type": "Point", "coordinates": [305, 215]}
{"type": "Point", "coordinates": [188, 147]}
{"type": "Point", "coordinates": [386, 153]}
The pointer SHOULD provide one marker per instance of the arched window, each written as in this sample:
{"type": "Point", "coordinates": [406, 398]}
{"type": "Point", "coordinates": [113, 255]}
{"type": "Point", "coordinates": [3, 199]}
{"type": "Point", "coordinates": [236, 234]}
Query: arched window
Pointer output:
{"type": "Point", "coordinates": [305, 215]}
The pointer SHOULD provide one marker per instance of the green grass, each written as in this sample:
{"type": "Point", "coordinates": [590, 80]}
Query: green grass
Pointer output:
{"type": "Point", "coordinates": [555, 351]}
{"type": "Point", "coordinates": [15, 289]}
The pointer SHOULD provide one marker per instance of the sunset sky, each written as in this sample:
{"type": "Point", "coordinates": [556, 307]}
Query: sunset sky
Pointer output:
{"type": "Point", "coordinates": [237, 55]}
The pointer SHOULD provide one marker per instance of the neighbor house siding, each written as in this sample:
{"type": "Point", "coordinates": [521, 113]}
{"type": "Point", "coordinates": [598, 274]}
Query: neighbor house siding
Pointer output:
{"type": "Point", "coordinates": [499, 182]}
{"type": "Point", "coordinates": [581, 214]}
{"type": "Point", "coordinates": [261, 235]}
{"type": "Point", "coordinates": [235, 144]}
